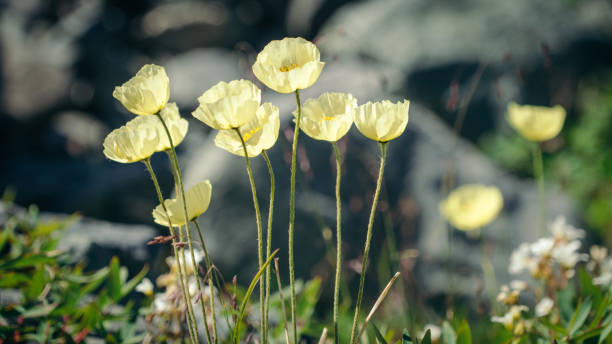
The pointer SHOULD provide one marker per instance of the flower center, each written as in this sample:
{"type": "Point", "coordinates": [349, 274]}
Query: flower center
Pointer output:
{"type": "Point", "coordinates": [289, 67]}
{"type": "Point", "coordinates": [328, 118]}
{"type": "Point", "coordinates": [246, 136]}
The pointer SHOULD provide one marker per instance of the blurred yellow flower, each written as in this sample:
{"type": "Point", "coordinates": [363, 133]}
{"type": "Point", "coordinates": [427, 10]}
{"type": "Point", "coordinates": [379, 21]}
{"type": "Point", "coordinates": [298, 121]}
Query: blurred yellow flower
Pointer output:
{"type": "Point", "coordinates": [536, 123]}
{"type": "Point", "coordinates": [259, 134]}
{"type": "Point", "coordinates": [228, 105]}
{"type": "Point", "coordinates": [328, 117]}
{"type": "Point", "coordinates": [177, 126]}
{"type": "Point", "coordinates": [147, 92]}
{"type": "Point", "coordinates": [472, 206]}
{"type": "Point", "coordinates": [198, 199]}
{"type": "Point", "coordinates": [382, 121]}
{"type": "Point", "coordinates": [130, 144]}
{"type": "Point", "coordinates": [288, 65]}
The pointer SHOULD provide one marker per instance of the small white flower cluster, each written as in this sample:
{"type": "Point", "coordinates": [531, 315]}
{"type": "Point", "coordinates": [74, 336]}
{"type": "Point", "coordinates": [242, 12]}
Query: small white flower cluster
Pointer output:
{"type": "Point", "coordinates": [600, 266]}
{"type": "Point", "coordinates": [559, 252]}
{"type": "Point", "coordinates": [552, 261]}
{"type": "Point", "coordinates": [168, 308]}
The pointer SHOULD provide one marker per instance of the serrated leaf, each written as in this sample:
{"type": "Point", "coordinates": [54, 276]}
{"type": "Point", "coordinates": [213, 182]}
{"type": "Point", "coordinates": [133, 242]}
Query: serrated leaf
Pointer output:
{"type": "Point", "coordinates": [448, 334]}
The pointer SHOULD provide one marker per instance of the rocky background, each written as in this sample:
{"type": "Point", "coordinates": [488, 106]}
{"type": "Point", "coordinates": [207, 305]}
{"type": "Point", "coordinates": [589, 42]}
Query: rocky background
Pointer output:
{"type": "Point", "coordinates": [60, 61]}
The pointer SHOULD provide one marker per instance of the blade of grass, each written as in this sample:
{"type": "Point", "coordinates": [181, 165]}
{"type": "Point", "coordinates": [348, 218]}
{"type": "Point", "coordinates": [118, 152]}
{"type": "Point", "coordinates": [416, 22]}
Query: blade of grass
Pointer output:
{"type": "Point", "coordinates": [248, 294]}
{"type": "Point", "coordinates": [377, 304]}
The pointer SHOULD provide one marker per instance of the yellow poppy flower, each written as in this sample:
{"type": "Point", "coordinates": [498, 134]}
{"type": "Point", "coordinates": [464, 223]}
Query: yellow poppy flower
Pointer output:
{"type": "Point", "coordinates": [147, 92]}
{"type": "Point", "coordinates": [259, 134]}
{"type": "Point", "coordinates": [130, 144]}
{"type": "Point", "coordinates": [472, 206]}
{"type": "Point", "coordinates": [198, 199]}
{"type": "Point", "coordinates": [382, 121]}
{"type": "Point", "coordinates": [328, 117]}
{"type": "Point", "coordinates": [536, 123]}
{"type": "Point", "coordinates": [288, 65]}
{"type": "Point", "coordinates": [228, 105]}
{"type": "Point", "coordinates": [177, 126]}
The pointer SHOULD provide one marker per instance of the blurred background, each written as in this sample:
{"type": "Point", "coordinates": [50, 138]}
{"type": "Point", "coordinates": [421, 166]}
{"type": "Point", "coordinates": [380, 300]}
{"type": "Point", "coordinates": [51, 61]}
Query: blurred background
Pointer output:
{"type": "Point", "coordinates": [459, 62]}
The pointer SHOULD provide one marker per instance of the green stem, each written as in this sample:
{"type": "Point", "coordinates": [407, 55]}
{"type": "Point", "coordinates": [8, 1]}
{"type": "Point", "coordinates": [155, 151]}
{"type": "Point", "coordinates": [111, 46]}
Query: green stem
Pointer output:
{"type": "Point", "coordinates": [208, 262]}
{"type": "Point", "coordinates": [186, 297]}
{"type": "Point", "coordinates": [259, 235]}
{"type": "Point", "coordinates": [181, 191]}
{"type": "Point", "coordinates": [366, 251]}
{"type": "Point", "coordinates": [538, 171]}
{"type": "Point", "coordinates": [269, 234]}
{"type": "Point", "coordinates": [292, 215]}
{"type": "Point", "coordinates": [338, 240]}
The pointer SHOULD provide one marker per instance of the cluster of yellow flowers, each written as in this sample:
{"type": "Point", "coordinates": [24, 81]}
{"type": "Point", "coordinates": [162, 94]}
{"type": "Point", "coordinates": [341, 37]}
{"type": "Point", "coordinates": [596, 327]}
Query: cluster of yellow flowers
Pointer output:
{"type": "Point", "coordinates": [247, 127]}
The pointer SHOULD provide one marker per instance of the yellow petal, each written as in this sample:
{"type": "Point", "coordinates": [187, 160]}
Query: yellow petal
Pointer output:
{"type": "Point", "coordinates": [288, 65]}
{"type": "Point", "coordinates": [259, 134]}
{"type": "Point", "coordinates": [536, 123]}
{"type": "Point", "coordinates": [177, 126]}
{"type": "Point", "coordinates": [130, 144]}
{"type": "Point", "coordinates": [198, 200]}
{"type": "Point", "coordinates": [472, 206]}
{"type": "Point", "coordinates": [147, 92]}
{"type": "Point", "coordinates": [328, 117]}
{"type": "Point", "coordinates": [382, 121]}
{"type": "Point", "coordinates": [228, 105]}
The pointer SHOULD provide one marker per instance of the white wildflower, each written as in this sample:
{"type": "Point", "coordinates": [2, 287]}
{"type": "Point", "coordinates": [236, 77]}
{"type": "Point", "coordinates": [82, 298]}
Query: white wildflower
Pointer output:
{"type": "Point", "coordinates": [544, 307]}
{"type": "Point", "coordinates": [563, 232]}
{"type": "Point", "coordinates": [145, 286]}
{"type": "Point", "coordinates": [543, 247]}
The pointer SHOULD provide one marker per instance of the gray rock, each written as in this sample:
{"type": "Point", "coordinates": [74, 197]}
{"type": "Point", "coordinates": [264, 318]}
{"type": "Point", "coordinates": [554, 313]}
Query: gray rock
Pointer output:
{"type": "Point", "coordinates": [419, 34]}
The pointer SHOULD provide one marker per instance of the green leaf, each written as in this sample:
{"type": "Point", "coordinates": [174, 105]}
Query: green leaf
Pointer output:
{"type": "Point", "coordinates": [607, 330]}
{"type": "Point", "coordinates": [464, 334]}
{"type": "Point", "coordinates": [580, 316]}
{"type": "Point", "coordinates": [114, 279]}
{"type": "Point", "coordinates": [427, 337]}
{"type": "Point", "coordinates": [38, 312]}
{"type": "Point", "coordinates": [406, 339]}
{"type": "Point", "coordinates": [131, 284]}
{"type": "Point", "coordinates": [245, 300]}
{"type": "Point", "coordinates": [26, 261]}
{"type": "Point", "coordinates": [448, 334]}
{"type": "Point", "coordinates": [37, 284]}
{"type": "Point", "coordinates": [564, 300]}
{"type": "Point", "coordinates": [377, 333]}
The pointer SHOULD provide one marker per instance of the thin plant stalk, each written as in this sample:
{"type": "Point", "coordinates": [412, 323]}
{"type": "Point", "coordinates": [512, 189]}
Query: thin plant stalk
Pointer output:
{"type": "Point", "coordinates": [338, 240]}
{"type": "Point", "coordinates": [269, 233]}
{"type": "Point", "coordinates": [366, 251]}
{"type": "Point", "coordinates": [538, 171]}
{"type": "Point", "coordinates": [186, 297]}
{"type": "Point", "coordinates": [280, 293]}
{"type": "Point", "coordinates": [292, 215]}
{"type": "Point", "coordinates": [380, 299]}
{"type": "Point", "coordinates": [262, 287]}
{"type": "Point", "coordinates": [209, 272]}
{"type": "Point", "coordinates": [181, 191]}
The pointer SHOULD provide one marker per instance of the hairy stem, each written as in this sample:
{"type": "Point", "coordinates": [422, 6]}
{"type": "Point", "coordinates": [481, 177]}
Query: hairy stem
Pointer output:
{"type": "Point", "coordinates": [292, 215]}
{"type": "Point", "coordinates": [190, 318]}
{"type": "Point", "coordinates": [538, 171]}
{"type": "Point", "coordinates": [338, 240]}
{"type": "Point", "coordinates": [366, 251]}
{"type": "Point", "coordinates": [262, 287]}
{"type": "Point", "coordinates": [269, 234]}
{"type": "Point", "coordinates": [181, 191]}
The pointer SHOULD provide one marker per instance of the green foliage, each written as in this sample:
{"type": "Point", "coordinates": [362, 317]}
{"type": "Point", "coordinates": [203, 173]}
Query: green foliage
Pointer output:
{"type": "Point", "coordinates": [46, 298]}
